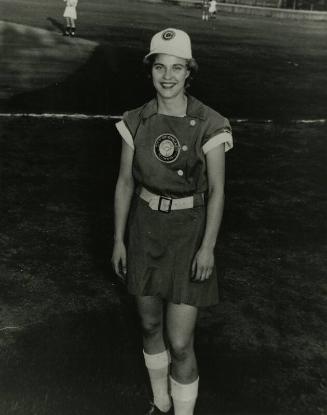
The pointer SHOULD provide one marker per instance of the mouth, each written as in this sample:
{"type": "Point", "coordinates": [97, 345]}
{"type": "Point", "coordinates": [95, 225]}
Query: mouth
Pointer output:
{"type": "Point", "coordinates": [167, 85]}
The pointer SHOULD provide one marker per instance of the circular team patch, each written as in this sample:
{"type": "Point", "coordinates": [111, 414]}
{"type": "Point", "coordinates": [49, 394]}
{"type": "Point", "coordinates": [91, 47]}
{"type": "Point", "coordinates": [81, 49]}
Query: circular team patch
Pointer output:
{"type": "Point", "coordinates": [166, 148]}
{"type": "Point", "coordinates": [168, 34]}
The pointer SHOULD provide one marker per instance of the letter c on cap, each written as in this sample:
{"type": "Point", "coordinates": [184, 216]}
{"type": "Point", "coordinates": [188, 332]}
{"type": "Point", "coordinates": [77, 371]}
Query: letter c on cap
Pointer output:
{"type": "Point", "coordinates": [168, 34]}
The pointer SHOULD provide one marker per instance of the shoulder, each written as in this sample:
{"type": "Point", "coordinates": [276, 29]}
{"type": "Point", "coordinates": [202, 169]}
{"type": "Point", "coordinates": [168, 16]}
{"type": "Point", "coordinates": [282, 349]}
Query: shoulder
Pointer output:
{"type": "Point", "coordinates": [133, 117]}
{"type": "Point", "coordinates": [216, 127]}
{"type": "Point", "coordinates": [131, 120]}
{"type": "Point", "coordinates": [210, 117]}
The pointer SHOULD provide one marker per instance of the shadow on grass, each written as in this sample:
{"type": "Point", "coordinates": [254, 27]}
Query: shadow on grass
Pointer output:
{"type": "Point", "coordinates": [92, 363]}
{"type": "Point", "coordinates": [105, 84]}
{"type": "Point", "coordinates": [82, 364]}
{"type": "Point", "coordinates": [57, 24]}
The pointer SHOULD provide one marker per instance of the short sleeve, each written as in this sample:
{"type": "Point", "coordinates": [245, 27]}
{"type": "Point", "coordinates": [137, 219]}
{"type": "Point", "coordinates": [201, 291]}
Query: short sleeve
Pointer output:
{"type": "Point", "coordinates": [125, 133]}
{"type": "Point", "coordinates": [218, 132]}
{"type": "Point", "coordinates": [128, 126]}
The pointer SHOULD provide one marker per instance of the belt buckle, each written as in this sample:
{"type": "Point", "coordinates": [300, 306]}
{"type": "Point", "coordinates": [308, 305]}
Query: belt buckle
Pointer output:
{"type": "Point", "coordinates": [164, 204]}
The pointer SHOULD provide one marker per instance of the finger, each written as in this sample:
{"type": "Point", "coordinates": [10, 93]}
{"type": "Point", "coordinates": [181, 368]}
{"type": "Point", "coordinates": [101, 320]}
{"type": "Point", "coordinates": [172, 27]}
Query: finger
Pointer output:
{"type": "Point", "coordinates": [193, 269]}
{"type": "Point", "coordinates": [203, 276]}
{"type": "Point", "coordinates": [117, 270]}
{"type": "Point", "coordinates": [199, 273]}
{"type": "Point", "coordinates": [209, 272]}
{"type": "Point", "coordinates": [207, 275]}
{"type": "Point", "coordinates": [121, 277]}
{"type": "Point", "coordinates": [124, 265]}
{"type": "Point", "coordinates": [115, 265]}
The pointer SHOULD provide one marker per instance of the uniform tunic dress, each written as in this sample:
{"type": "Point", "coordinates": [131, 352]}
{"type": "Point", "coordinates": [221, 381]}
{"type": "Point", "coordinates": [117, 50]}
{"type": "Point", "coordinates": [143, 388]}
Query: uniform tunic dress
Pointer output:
{"type": "Point", "coordinates": [70, 10]}
{"type": "Point", "coordinates": [212, 6]}
{"type": "Point", "coordinates": [169, 160]}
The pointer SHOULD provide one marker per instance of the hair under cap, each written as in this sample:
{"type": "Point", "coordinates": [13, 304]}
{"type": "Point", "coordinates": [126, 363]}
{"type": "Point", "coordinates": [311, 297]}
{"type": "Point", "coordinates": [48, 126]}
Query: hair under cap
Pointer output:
{"type": "Point", "coordinates": [171, 42]}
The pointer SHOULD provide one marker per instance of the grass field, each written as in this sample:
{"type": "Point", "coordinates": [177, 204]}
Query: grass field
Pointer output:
{"type": "Point", "coordinates": [262, 351]}
{"type": "Point", "coordinates": [74, 345]}
{"type": "Point", "coordinates": [249, 67]}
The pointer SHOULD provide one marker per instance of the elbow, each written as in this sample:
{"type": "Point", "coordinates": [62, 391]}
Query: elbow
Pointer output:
{"type": "Point", "coordinates": [216, 192]}
{"type": "Point", "coordinates": [125, 185]}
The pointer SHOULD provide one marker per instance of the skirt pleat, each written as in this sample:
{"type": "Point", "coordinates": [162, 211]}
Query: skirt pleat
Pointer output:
{"type": "Point", "coordinates": [160, 252]}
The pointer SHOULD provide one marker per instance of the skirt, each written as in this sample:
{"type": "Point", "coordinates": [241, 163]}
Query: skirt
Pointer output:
{"type": "Point", "coordinates": [70, 12]}
{"type": "Point", "coordinates": [161, 248]}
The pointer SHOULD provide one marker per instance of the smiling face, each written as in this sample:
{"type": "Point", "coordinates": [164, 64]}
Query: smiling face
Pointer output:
{"type": "Point", "coordinates": [169, 74]}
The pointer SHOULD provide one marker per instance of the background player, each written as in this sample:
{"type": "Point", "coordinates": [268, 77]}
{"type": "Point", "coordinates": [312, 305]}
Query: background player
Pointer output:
{"type": "Point", "coordinates": [70, 15]}
{"type": "Point", "coordinates": [212, 9]}
{"type": "Point", "coordinates": [205, 9]}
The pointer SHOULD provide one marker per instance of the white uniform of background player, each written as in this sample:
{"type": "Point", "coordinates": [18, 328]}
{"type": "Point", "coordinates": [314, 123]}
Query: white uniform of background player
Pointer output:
{"type": "Point", "coordinates": [212, 8]}
{"type": "Point", "coordinates": [70, 15]}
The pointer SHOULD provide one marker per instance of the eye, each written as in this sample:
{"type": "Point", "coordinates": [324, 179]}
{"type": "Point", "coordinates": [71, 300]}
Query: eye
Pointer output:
{"type": "Point", "coordinates": [178, 68]}
{"type": "Point", "coordinates": [157, 66]}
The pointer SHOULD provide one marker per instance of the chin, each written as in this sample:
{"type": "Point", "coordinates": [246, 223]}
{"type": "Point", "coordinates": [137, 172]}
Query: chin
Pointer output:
{"type": "Point", "coordinates": [165, 93]}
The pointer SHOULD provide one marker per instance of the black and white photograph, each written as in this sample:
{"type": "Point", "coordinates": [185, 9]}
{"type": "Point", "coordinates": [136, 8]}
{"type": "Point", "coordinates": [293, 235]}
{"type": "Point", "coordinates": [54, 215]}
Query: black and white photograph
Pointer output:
{"type": "Point", "coordinates": [163, 199]}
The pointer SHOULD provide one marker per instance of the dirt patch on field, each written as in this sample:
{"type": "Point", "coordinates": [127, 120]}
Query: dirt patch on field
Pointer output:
{"type": "Point", "coordinates": [33, 58]}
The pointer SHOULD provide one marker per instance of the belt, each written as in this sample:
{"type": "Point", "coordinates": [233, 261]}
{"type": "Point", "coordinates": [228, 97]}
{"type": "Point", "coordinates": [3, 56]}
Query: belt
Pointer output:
{"type": "Point", "coordinates": [166, 204]}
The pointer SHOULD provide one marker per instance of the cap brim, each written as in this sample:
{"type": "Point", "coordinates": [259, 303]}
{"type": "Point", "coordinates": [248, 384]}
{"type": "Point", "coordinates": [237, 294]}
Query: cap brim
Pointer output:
{"type": "Point", "coordinates": [167, 53]}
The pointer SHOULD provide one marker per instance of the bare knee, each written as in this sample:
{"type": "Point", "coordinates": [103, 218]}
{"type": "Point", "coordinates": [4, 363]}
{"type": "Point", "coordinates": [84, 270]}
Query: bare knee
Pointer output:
{"type": "Point", "coordinates": [181, 349]}
{"type": "Point", "coordinates": [151, 327]}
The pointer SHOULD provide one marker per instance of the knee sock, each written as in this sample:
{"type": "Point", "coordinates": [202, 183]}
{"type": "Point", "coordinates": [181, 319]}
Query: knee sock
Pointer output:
{"type": "Point", "coordinates": [158, 368]}
{"type": "Point", "coordinates": [184, 396]}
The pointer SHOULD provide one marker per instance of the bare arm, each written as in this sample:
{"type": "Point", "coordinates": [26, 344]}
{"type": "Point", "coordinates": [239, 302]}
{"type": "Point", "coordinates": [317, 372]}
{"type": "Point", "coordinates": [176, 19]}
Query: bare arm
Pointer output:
{"type": "Point", "coordinates": [123, 196]}
{"type": "Point", "coordinates": [204, 259]}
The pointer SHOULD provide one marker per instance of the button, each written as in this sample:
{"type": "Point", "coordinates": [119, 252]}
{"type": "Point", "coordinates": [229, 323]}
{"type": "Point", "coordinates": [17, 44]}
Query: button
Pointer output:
{"type": "Point", "coordinates": [180, 172]}
{"type": "Point", "coordinates": [184, 148]}
{"type": "Point", "coordinates": [192, 123]}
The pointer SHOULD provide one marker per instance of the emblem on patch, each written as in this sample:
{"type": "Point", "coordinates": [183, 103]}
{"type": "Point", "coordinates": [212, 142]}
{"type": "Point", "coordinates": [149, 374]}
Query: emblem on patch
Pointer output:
{"type": "Point", "coordinates": [166, 148]}
{"type": "Point", "coordinates": [168, 34]}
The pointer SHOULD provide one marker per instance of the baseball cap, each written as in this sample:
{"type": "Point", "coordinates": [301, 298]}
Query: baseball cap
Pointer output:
{"type": "Point", "coordinates": [171, 42]}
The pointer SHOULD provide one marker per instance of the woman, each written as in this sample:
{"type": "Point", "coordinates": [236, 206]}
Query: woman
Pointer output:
{"type": "Point", "coordinates": [170, 189]}
{"type": "Point", "coordinates": [70, 16]}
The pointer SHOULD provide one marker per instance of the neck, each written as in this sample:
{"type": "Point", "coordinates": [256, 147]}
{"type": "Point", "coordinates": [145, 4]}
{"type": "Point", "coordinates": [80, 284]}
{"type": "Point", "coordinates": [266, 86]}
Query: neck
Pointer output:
{"type": "Point", "coordinates": [175, 106]}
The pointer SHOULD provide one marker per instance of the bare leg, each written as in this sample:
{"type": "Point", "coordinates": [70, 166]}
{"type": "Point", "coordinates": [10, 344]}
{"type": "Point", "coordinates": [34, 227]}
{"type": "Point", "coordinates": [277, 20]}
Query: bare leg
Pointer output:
{"type": "Point", "coordinates": [156, 355]}
{"type": "Point", "coordinates": [151, 310]}
{"type": "Point", "coordinates": [184, 378]}
{"type": "Point", "coordinates": [181, 320]}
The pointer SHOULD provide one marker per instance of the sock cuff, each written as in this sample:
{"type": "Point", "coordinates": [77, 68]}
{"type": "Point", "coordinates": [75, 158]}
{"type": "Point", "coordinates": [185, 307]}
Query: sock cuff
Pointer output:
{"type": "Point", "coordinates": [157, 361]}
{"type": "Point", "coordinates": [182, 392]}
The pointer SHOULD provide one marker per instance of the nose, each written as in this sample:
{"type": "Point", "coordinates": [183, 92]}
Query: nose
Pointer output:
{"type": "Point", "coordinates": [167, 73]}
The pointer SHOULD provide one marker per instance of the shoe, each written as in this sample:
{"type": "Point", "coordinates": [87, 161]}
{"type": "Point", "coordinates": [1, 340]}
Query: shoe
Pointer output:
{"type": "Point", "coordinates": [72, 32]}
{"type": "Point", "coordinates": [67, 31]}
{"type": "Point", "coordinates": [156, 411]}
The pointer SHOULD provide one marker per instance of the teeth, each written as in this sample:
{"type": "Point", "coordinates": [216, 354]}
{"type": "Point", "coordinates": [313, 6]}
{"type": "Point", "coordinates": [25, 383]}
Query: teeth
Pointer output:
{"type": "Point", "coordinates": [167, 85]}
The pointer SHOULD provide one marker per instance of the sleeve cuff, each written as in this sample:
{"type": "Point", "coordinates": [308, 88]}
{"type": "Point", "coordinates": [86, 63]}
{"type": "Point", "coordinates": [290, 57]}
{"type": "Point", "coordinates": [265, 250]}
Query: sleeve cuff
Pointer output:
{"type": "Point", "coordinates": [216, 140]}
{"type": "Point", "coordinates": [125, 134]}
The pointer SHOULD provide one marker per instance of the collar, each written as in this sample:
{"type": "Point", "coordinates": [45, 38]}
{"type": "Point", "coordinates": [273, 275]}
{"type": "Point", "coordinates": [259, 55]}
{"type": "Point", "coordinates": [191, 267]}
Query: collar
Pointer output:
{"type": "Point", "coordinates": [195, 108]}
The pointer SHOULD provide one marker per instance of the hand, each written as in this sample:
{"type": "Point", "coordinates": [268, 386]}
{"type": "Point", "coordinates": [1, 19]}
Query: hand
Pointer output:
{"type": "Point", "coordinates": [118, 260]}
{"type": "Point", "coordinates": [202, 265]}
